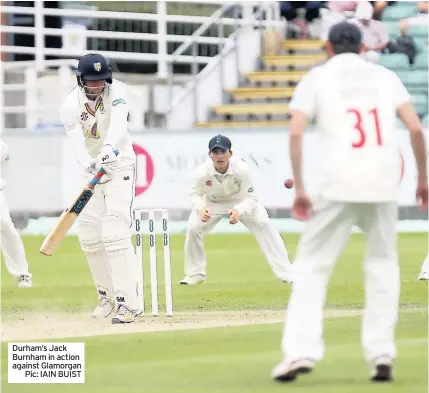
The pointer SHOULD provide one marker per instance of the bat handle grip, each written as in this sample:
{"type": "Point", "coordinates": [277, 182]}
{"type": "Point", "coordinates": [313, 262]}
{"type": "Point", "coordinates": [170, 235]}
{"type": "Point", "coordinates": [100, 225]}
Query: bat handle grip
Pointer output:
{"type": "Point", "coordinates": [96, 179]}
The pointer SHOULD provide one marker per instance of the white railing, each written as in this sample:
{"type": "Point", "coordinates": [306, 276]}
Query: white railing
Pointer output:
{"type": "Point", "coordinates": [255, 15]}
{"type": "Point", "coordinates": [30, 107]}
{"type": "Point", "coordinates": [31, 69]}
{"type": "Point", "coordinates": [31, 88]}
{"type": "Point", "coordinates": [161, 17]}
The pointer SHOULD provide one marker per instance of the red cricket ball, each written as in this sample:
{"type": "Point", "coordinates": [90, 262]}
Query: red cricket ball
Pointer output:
{"type": "Point", "coordinates": [289, 183]}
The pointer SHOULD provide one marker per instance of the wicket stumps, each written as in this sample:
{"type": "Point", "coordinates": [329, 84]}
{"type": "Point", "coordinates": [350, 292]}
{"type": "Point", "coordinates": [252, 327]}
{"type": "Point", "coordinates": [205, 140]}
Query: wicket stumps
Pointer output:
{"type": "Point", "coordinates": [139, 219]}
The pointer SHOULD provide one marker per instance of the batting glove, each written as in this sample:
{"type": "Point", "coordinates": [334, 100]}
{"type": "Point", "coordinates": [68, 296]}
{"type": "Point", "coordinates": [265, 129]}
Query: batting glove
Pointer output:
{"type": "Point", "coordinates": [91, 166]}
{"type": "Point", "coordinates": [108, 160]}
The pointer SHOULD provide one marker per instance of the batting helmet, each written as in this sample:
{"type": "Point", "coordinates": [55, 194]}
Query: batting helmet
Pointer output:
{"type": "Point", "coordinates": [93, 67]}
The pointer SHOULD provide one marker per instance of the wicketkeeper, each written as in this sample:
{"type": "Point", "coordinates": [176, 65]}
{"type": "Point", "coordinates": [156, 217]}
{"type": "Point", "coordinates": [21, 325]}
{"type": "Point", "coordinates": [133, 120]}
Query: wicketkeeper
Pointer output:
{"type": "Point", "coordinates": [223, 188]}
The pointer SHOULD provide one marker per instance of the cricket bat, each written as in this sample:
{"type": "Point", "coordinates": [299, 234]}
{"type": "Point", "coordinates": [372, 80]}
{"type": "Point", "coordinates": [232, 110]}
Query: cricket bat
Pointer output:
{"type": "Point", "coordinates": [69, 216]}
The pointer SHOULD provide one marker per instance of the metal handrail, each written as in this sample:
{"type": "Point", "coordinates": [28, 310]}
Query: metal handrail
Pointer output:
{"type": "Point", "coordinates": [109, 34]}
{"type": "Point", "coordinates": [108, 54]}
{"type": "Point", "coordinates": [121, 15]}
{"type": "Point", "coordinates": [162, 18]}
{"type": "Point", "coordinates": [203, 28]}
{"type": "Point", "coordinates": [216, 17]}
{"type": "Point", "coordinates": [31, 63]}
{"type": "Point", "coordinates": [223, 50]}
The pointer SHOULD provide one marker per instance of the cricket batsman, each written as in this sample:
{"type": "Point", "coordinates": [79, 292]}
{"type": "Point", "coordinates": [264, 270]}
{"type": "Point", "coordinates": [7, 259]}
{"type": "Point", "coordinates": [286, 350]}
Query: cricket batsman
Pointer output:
{"type": "Point", "coordinates": [223, 187]}
{"type": "Point", "coordinates": [95, 118]}
{"type": "Point", "coordinates": [355, 104]}
{"type": "Point", "coordinates": [11, 243]}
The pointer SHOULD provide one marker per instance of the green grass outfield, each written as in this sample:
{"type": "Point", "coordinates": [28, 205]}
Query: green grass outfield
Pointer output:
{"type": "Point", "coordinates": [227, 359]}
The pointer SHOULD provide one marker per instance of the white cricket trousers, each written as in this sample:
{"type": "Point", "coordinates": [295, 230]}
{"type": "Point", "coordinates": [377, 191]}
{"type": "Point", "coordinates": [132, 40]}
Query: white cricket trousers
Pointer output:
{"type": "Point", "coordinates": [258, 222]}
{"type": "Point", "coordinates": [321, 245]}
{"type": "Point", "coordinates": [105, 231]}
{"type": "Point", "coordinates": [11, 243]}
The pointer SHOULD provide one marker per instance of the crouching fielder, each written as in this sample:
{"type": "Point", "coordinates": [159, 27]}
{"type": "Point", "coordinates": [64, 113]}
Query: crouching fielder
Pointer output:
{"type": "Point", "coordinates": [223, 188]}
{"type": "Point", "coordinates": [95, 118]}
{"type": "Point", "coordinates": [11, 243]}
{"type": "Point", "coordinates": [355, 104]}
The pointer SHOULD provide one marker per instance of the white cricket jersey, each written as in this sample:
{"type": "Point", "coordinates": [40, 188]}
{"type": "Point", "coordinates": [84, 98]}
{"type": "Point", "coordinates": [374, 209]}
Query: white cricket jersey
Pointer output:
{"type": "Point", "coordinates": [354, 104]}
{"type": "Point", "coordinates": [91, 125]}
{"type": "Point", "coordinates": [235, 186]}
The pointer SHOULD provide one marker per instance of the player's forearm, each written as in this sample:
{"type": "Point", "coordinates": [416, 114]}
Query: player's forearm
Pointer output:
{"type": "Point", "coordinates": [295, 152]}
{"type": "Point", "coordinates": [197, 198]}
{"type": "Point", "coordinates": [118, 126]}
{"type": "Point", "coordinates": [409, 117]}
{"type": "Point", "coordinates": [77, 143]}
{"type": "Point", "coordinates": [419, 148]}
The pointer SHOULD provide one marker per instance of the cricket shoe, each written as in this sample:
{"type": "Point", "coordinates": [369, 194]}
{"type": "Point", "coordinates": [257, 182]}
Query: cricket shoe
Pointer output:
{"type": "Point", "coordinates": [103, 309]}
{"type": "Point", "coordinates": [423, 276]}
{"type": "Point", "coordinates": [287, 371]}
{"type": "Point", "coordinates": [193, 280]}
{"type": "Point", "coordinates": [124, 315]}
{"type": "Point", "coordinates": [24, 281]}
{"type": "Point", "coordinates": [382, 370]}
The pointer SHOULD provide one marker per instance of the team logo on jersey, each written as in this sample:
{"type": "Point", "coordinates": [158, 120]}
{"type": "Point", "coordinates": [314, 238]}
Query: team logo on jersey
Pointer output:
{"type": "Point", "coordinates": [84, 116]}
{"type": "Point", "coordinates": [93, 132]}
{"type": "Point", "coordinates": [209, 183]}
{"type": "Point", "coordinates": [97, 67]}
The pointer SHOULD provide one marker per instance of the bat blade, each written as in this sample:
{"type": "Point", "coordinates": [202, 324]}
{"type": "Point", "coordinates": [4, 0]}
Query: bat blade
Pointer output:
{"type": "Point", "coordinates": [65, 222]}
{"type": "Point", "coordinates": [69, 216]}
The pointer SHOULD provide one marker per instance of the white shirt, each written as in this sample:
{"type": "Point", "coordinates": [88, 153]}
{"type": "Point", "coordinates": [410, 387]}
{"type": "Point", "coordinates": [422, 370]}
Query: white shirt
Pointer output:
{"type": "Point", "coordinates": [375, 33]}
{"type": "Point", "coordinates": [234, 187]}
{"type": "Point", "coordinates": [354, 103]}
{"type": "Point", "coordinates": [91, 125]}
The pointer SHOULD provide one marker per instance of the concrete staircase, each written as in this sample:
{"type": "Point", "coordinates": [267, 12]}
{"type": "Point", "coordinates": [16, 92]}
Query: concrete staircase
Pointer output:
{"type": "Point", "coordinates": [263, 100]}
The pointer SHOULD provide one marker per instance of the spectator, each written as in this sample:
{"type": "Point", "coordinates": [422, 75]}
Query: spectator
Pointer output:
{"type": "Point", "coordinates": [335, 13]}
{"type": "Point", "coordinates": [379, 7]}
{"type": "Point", "coordinates": [420, 20]}
{"type": "Point", "coordinates": [312, 8]}
{"type": "Point", "coordinates": [375, 34]}
{"type": "Point", "coordinates": [342, 6]}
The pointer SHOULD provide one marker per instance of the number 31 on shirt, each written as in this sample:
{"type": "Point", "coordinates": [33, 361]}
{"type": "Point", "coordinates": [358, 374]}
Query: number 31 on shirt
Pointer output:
{"type": "Point", "coordinates": [358, 126]}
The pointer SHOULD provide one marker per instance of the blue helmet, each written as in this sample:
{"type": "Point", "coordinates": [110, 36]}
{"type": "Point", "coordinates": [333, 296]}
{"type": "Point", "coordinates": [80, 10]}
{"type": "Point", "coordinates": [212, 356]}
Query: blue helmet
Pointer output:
{"type": "Point", "coordinates": [93, 67]}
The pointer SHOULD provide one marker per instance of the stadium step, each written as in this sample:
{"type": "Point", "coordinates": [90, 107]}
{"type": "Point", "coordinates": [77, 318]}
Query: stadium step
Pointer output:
{"type": "Point", "coordinates": [249, 93]}
{"type": "Point", "coordinates": [302, 45]}
{"type": "Point", "coordinates": [245, 124]}
{"type": "Point", "coordinates": [293, 60]}
{"type": "Point", "coordinates": [251, 109]}
{"type": "Point", "coordinates": [275, 76]}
